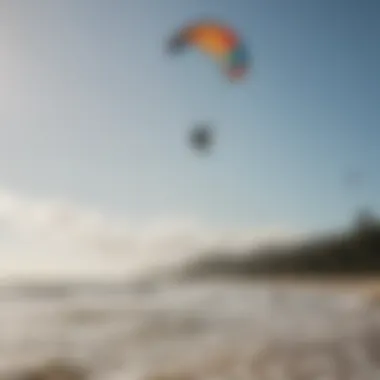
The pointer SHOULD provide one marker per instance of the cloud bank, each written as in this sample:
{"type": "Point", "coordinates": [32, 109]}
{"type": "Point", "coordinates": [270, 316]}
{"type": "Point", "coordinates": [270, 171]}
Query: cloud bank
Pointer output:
{"type": "Point", "coordinates": [59, 238]}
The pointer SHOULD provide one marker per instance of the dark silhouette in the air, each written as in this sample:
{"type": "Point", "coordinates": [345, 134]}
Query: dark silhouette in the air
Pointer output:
{"type": "Point", "coordinates": [201, 138]}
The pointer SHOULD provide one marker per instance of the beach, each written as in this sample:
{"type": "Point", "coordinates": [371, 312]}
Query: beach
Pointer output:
{"type": "Point", "coordinates": [194, 330]}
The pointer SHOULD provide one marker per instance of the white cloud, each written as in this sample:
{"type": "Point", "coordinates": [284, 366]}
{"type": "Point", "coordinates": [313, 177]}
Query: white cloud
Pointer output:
{"type": "Point", "coordinates": [57, 237]}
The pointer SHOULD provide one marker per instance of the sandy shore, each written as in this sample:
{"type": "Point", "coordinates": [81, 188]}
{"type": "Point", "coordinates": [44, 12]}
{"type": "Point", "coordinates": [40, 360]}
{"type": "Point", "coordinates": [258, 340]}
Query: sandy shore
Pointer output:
{"type": "Point", "coordinates": [369, 286]}
{"type": "Point", "coordinates": [366, 286]}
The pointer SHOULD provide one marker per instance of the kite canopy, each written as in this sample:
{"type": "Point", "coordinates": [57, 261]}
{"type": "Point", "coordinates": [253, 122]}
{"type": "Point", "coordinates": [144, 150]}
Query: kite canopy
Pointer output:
{"type": "Point", "coordinates": [216, 40]}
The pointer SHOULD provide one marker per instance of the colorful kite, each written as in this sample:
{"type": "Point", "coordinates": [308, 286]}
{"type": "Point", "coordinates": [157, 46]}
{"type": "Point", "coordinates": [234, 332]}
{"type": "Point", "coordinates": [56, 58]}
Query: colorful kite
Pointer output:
{"type": "Point", "coordinates": [219, 42]}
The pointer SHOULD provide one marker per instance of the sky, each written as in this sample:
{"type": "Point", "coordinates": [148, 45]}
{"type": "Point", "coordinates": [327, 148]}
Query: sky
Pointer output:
{"type": "Point", "coordinates": [95, 114]}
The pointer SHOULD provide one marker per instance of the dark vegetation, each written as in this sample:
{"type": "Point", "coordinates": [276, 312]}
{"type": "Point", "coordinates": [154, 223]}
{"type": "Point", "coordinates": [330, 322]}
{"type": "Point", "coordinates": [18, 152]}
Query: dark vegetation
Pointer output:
{"type": "Point", "coordinates": [352, 253]}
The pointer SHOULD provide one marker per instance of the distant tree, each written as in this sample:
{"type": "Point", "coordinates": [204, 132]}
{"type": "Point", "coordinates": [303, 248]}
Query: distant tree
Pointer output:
{"type": "Point", "coordinates": [365, 220]}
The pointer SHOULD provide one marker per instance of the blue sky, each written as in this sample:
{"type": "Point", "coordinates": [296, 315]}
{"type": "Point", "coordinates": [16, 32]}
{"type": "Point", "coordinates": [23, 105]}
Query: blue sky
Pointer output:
{"type": "Point", "coordinates": [93, 110]}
